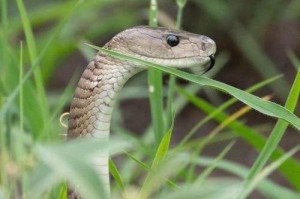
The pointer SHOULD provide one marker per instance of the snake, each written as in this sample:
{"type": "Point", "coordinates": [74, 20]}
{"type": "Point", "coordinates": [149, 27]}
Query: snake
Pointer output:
{"type": "Point", "coordinates": [92, 105]}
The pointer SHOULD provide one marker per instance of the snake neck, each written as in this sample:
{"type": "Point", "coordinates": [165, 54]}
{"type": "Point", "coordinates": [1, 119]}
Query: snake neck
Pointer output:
{"type": "Point", "coordinates": [92, 105]}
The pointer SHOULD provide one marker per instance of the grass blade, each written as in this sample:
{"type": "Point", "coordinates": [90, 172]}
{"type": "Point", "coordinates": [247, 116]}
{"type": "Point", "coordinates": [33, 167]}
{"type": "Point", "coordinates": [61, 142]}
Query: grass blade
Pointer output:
{"type": "Point", "coordinates": [172, 81]}
{"type": "Point", "coordinates": [21, 90]}
{"type": "Point", "coordinates": [223, 106]}
{"type": "Point", "coordinates": [275, 136]}
{"type": "Point", "coordinates": [214, 164]}
{"type": "Point", "coordinates": [267, 187]}
{"type": "Point", "coordinates": [162, 149]}
{"type": "Point", "coordinates": [36, 63]}
{"type": "Point", "coordinates": [33, 56]}
{"type": "Point", "coordinates": [68, 165]}
{"type": "Point", "coordinates": [155, 86]}
{"type": "Point", "coordinates": [290, 168]}
{"type": "Point", "coordinates": [263, 106]}
{"type": "Point", "coordinates": [267, 171]}
{"type": "Point", "coordinates": [160, 155]}
{"type": "Point", "coordinates": [116, 174]}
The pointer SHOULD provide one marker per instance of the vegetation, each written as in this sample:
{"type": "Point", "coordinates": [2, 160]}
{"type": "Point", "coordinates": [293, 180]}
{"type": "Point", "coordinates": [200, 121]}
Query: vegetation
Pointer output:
{"type": "Point", "coordinates": [36, 42]}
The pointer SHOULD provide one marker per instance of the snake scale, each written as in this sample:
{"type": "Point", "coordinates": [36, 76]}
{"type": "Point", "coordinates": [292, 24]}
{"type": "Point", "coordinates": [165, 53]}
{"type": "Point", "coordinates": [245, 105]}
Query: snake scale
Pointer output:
{"type": "Point", "coordinates": [92, 105]}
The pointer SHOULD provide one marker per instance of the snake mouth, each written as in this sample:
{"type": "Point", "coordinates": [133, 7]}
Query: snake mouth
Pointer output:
{"type": "Point", "coordinates": [201, 68]}
{"type": "Point", "coordinates": [201, 64]}
{"type": "Point", "coordinates": [212, 63]}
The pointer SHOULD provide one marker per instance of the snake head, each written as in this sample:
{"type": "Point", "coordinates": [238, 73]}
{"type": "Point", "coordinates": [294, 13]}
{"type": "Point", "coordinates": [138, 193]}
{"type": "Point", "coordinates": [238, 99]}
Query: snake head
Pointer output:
{"type": "Point", "coordinates": [167, 47]}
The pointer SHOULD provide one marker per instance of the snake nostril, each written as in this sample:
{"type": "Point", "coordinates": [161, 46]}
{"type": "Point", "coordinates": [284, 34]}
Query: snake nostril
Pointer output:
{"type": "Point", "coordinates": [208, 47]}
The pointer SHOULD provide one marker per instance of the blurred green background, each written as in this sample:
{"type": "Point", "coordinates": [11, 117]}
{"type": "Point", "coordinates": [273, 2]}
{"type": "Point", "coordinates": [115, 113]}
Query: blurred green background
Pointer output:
{"type": "Point", "coordinates": [253, 40]}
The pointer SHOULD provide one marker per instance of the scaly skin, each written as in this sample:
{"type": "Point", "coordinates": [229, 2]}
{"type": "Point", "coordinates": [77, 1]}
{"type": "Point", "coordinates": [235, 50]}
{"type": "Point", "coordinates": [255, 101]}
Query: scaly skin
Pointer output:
{"type": "Point", "coordinates": [91, 108]}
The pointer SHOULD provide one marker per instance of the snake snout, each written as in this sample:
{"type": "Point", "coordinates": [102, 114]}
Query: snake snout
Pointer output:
{"type": "Point", "coordinates": [208, 45]}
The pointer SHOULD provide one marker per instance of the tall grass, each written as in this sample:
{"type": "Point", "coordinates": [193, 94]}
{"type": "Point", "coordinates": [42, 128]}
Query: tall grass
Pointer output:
{"type": "Point", "coordinates": [155, 86]}
{"type": "Point", "coordinates": [37, 162]}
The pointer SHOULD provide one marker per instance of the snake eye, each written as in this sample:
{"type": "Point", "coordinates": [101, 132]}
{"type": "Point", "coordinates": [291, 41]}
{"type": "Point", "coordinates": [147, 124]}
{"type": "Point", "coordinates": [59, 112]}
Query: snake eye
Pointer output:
{"type": "Point", "coordinates": [172, 40]}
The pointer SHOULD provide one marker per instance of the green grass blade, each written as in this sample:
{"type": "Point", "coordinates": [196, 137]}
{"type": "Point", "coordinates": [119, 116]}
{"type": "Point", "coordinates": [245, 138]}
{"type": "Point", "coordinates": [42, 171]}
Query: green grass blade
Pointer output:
{"type": "Point", "coordinates": [153, 13]}
{"type": "Point", "coordinates": [61, 102]}
{"type": "Point", "coordinates": [224, 106]}
{"type": "Point", "coordinates": [212, 189]}
{"type": "Point", "coordinates": [266, 187]}
{"type": "Point", "coordinates": [180, 102]}
{"type": "Point", "coordinates": [71, 161]}
{"type": "Point", "coordinates": [172, 81]}
{"type": "Point", "coordinates": [180, 4]}
{"type": "Point", "coordinates": [156, 103]}
{"type": "Point", "coordinates": [156, 179]}
{"type": "Point", "coordinates": [36, 63]}
{"type": "Point", "coordinates": [160, 155]}
{"type": "Point", "coordinates": [155, 86]}
{"type": "Point", "coordinates": [148, 168]}
{"type": "Point", "coordinates": [212, 134]}
{"type": "Point", "coordinates": [9, 64]}
{"type": "Point", "coordinates": [63, 192]}
{"type": "Point", "coordinates": [162, 149]}
{"type": "Point", "coordinates": [21, 90]}
{"type": "Point", "coordinates": [276, 134]}
{"type": "Point", "coordinates": [116, 174]}
{"type": "Point", "coordinates": [142, 164]}
{"type": "Point", "coordinates": [267, 171]}
{"type": "Point", "coordinates": [69, 165]}
{"type": "Point", "coordinates": [33, 55]}
{"type": "Point", "coordinates": [290, 168]}
{"type": "Point", "coordinates": [214, 164]}
{"type": "Point", "coordinates": [39, 180]}
{"type": "Point", "coordinates": [266, 107]}
{"type": "Point", "coordinates": [18, 137]}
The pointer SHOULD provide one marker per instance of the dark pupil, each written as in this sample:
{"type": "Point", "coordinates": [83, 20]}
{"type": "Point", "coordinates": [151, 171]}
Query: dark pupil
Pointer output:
{"type": "Point", "coordinates": [172, 40]}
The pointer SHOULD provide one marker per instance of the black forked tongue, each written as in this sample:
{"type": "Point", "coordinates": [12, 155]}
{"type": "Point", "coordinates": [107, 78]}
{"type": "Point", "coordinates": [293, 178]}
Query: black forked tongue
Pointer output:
{"type": "Point", "coordinates": [212, 62]}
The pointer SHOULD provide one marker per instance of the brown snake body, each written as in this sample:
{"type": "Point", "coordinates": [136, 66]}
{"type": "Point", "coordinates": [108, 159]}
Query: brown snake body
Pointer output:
{"type": "Point", "coordinates": [91, 107]}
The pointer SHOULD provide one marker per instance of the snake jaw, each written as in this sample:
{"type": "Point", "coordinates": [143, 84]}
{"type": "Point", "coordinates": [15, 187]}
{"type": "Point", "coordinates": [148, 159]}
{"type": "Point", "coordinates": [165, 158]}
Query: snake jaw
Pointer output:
{"type": "Point", "coordinates": [212, 63]}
